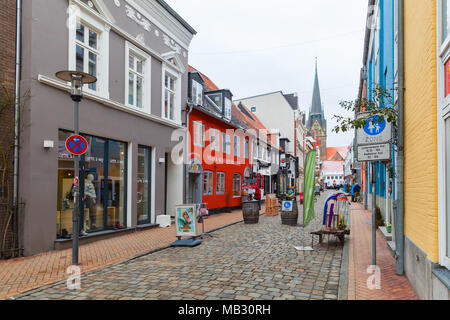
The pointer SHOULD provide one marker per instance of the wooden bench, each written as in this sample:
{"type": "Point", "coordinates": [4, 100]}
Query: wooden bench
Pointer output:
{"type": "Point", "coordinates": [340, 234]}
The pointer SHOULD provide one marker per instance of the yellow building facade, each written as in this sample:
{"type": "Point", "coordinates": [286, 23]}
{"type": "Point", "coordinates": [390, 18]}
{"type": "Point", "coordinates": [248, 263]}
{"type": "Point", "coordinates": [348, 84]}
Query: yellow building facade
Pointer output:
{"type": "Point", "coordinates": [424, 166]}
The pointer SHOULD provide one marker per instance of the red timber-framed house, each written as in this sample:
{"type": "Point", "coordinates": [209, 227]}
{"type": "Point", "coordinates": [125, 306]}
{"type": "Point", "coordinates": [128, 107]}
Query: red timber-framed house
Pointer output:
{"type": "Point", "coordinates": [220, 145]}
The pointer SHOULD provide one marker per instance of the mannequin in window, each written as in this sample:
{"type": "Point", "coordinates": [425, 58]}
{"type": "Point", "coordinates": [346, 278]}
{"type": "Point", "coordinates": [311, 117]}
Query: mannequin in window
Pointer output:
{"type": "Point", "coordinates": [90, 200]}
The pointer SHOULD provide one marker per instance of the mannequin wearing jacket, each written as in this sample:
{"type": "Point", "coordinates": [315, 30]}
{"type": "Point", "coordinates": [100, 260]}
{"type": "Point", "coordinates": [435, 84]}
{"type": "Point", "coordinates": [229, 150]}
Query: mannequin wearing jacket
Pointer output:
{"type": "Point", "coordinates": [91, 199]}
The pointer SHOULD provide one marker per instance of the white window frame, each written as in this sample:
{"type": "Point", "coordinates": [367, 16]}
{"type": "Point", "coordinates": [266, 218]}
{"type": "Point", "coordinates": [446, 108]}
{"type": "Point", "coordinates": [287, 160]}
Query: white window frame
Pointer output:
{"type": "Point", "coordinates": [177, 108]}
{"type": "Point", "coordinates": [227, 105]}
{"type": "Point", "coordinates": [246, 148]}
{"type": "Point", "coordinates": [88, 19]}
{"type": "Point", "coordinates": [226, 142]}
{"type": "Point", "coordinates": [222, 176]}
{"type": "Point", "coordinates": [443, 114]}
{"type": "Point", "coordinates": [199, 134]}
{"type": "Point", "coordinates": [215, 145]}
{"type": "Point", "coordinates": [240, 185]}
{"type": "Point", "coordinates": [237, 145]}
{"type": "Point", "coordinates": [197, 97]}
{"type": "Point", "coordinates": [208, 174]}
{"type": "Point", "coordinates": [146, 69]}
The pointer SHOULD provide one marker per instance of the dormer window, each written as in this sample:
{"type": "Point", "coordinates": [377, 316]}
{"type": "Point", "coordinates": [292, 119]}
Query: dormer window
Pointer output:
{"type": "Point", "coordinates": [217, 99]}
{"type": "Point", "coordinates": [227, 110]}
{"type": "Point", "coordinates": [197, 93]}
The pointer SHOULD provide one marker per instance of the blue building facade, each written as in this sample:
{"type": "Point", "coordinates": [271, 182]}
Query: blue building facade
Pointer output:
{"type": "Point", "coordinates": [382, 70]}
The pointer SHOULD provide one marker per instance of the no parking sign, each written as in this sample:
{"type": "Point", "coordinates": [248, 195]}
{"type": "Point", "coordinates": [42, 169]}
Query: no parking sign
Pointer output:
{"type": "Point", "coordinates": [76, 145]}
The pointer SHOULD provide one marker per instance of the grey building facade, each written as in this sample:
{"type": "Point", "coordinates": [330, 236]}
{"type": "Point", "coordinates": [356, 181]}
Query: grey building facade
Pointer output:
{"type": "Point", "coordinates": [138, 50]}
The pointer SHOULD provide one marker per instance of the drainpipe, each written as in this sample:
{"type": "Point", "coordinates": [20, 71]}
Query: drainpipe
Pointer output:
{"type": "Point", "coordinates": [399, 212]}
{"type": "Point", "coordinates": [186, 197]}
{"type": "Point", "coordinates": [17, 118]}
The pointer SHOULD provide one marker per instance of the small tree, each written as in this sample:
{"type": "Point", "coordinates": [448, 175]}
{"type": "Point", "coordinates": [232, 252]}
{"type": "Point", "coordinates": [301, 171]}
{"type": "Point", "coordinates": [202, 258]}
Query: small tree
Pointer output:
{"type": "Point", "coordinates": [380, 104]}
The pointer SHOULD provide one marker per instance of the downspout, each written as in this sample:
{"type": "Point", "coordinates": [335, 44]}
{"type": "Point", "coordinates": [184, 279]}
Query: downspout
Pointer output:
{"type": "Point", "coordinates": [17, 120]}
{"type": "Point", "coordinates": [186, 188]}
{"type": "Point", "coordinates": [399, 213]}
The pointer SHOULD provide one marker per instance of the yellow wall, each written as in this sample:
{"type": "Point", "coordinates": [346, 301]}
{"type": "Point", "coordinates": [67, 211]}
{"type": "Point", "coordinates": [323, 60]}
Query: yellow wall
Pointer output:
{"type": "Point", "coordinates": [421, 210]}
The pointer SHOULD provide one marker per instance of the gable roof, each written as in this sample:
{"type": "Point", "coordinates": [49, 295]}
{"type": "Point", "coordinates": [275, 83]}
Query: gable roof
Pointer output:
{"type": "Point", "coordinates": [342, 151]}
{"type": "Point", "coordinates": [174, 14]}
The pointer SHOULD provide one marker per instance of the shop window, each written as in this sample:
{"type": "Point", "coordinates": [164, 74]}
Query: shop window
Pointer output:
{"type": "Point", "coordinates": [220, 188]}
{"type": "Point", "coordinates": [236, 185]}
{"type": "Point", "coordinates": [143, 185]}
{"type": "Point", "coordinates": [208, 183]}
{"type": "Point", "coordinates": [102, 184]}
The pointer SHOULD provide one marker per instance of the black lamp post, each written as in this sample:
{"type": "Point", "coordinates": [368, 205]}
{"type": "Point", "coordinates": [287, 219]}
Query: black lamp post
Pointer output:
{"type": "Point", "coordinates": [77, 80]}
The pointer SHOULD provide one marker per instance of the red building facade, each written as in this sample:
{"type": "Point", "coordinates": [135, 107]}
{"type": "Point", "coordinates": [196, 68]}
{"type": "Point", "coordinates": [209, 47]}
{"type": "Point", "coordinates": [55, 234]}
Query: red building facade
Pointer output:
{"type": "Point", "coordinates": [219, 148]}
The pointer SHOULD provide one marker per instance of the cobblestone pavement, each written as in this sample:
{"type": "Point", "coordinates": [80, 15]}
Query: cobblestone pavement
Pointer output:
{"type": "Point", "coordinates": [24, 274]}
{"type": "Point", "coordinates": [239, 262]}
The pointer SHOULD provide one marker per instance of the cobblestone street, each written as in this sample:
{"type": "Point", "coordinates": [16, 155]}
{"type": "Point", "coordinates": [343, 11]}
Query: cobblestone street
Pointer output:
{"type": "Point", "coordinates": [239, 262]}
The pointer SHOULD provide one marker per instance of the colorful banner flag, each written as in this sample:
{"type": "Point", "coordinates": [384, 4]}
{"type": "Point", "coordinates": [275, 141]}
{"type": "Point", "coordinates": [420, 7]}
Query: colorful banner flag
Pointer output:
{"type": "Point", "coordinates": [308, 192]}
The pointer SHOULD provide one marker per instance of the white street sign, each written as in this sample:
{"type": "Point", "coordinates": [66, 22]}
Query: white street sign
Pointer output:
{"type": "Point", "coordinates": [375, 152]}
{"type": "Point", "coordinates": [374, 132]}
{"type": "Point", "coordinates": [287, 206]}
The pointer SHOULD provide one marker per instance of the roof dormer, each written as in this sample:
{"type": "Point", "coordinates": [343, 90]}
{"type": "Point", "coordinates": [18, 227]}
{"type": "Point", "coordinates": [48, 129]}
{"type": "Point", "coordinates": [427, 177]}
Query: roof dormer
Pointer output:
{"type": "Point", "coordinates": [222, 100]}
{"type": "Point", "coordinates": [196, 88]}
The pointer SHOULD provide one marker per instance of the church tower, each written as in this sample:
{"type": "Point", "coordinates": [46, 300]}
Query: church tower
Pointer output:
{"type": "Point", "coordinates": [317, 124]}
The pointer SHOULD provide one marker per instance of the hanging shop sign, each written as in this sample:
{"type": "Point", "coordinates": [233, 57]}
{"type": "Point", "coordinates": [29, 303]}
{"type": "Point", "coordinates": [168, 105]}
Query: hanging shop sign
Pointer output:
{"type": "Point", "coordinates": [374, 132]}
{"type": "Point", "coordinates": [76, 145]}
{"type": "Point", "coordinates": [376, 152]}
{"type": "Point", "coordinates": [186, 220]}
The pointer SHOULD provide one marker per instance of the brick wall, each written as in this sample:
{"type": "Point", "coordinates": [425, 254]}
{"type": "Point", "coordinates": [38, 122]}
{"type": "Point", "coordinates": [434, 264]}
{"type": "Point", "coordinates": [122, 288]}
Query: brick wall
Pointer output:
{"type": "Point", "coordinates": [421, 211]}
{"type": "Point", "coordinates": [7, 79]}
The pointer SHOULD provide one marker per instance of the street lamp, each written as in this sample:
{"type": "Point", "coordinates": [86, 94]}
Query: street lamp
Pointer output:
{"type": "Point", "coordinates": [77, 80]}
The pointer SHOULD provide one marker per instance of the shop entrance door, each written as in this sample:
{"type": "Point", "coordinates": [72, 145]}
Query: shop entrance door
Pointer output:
{"type": "Point", "coordinates": [195, 188]}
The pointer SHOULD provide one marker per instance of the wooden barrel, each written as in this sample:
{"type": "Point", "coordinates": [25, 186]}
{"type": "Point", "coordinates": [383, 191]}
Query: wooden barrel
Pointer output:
{"type": "Point", "coordinates": [290, 218]}
{"type": "Point", "coordinates": [250, 211]}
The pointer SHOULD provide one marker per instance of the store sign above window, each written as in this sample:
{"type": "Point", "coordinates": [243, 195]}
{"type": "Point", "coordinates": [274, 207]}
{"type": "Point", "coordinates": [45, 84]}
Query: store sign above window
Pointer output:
{"type": "Point", "coordinates": [195, 166]}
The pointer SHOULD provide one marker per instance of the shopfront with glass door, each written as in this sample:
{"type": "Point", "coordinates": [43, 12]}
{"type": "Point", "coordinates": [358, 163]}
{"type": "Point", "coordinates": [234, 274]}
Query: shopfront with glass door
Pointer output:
{"type": "Point", "coordinates": [102, 181]}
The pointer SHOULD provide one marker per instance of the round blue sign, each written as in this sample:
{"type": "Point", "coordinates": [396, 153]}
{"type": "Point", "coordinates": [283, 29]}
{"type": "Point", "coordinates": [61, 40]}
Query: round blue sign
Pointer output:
{"type": "Point", "coordinates": [374, 127]}
{"type": "Point", "coordinates": [287, 204]}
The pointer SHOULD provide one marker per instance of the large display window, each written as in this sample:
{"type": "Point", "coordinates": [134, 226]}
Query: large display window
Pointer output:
{"type": "Point", "coordinates": [103, 170]}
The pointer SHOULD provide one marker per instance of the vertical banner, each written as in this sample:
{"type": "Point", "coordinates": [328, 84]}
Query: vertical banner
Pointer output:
{"type": "Point", "coordinates": [308, 192]}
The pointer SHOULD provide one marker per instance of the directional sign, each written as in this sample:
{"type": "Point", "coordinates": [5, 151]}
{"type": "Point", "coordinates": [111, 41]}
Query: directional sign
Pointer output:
{"type": "Point", "coordinates": [374, 132]}
{"type": "Point", "coordinates": [287, 206]}
{"type": "Point", "coordinates": [76, 145]}
{"type": "Point", "coordinates": [375, 152]}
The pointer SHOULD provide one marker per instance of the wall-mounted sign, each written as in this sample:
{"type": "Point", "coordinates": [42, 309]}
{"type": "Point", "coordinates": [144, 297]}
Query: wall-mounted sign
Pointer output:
{"type": "Point", "coordinates": [376, 152]}
{"type": "Point", "coordinates": [253, 109]}
{"type": "Point", "coordinates": [186, 220]}
{"type": "Point", "coordinates": [374, 132]}
{"type": "Point", "coordinates": [195, 166]}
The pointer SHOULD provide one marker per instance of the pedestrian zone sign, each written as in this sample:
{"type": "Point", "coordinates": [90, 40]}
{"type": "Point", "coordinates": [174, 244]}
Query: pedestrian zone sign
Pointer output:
{"type": "Point", "coordinates": [374, 132]}
{"type": "Point", "coordinates": [287, 206]}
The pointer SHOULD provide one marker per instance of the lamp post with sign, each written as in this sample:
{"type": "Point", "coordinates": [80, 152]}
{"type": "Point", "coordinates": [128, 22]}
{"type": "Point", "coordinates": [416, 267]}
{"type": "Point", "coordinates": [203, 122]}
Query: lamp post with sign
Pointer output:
{"type": "Point", "coordinates": [76, 144]}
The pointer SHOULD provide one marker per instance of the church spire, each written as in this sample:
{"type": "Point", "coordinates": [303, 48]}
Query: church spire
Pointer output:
{"type": "Point", "coordinates": [316, 105]}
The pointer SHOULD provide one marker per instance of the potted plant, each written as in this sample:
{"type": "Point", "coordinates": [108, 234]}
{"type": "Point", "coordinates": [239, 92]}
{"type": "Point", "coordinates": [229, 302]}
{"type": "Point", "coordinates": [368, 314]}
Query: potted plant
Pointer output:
{"type": "Point", "coordinates": [389, 228]}
{"type": "Point", "coordinates": [342, 225]}
{"type": "Point", "coordinates": [378, 217]}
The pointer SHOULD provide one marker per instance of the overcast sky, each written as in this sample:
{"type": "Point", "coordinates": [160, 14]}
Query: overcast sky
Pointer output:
{"type": "Point", "coordinates": [259, 46]}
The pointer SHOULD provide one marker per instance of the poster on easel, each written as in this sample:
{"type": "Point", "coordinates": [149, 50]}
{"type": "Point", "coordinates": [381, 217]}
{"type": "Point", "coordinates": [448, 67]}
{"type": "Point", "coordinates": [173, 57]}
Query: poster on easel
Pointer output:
{"type": "Point", "coordinates": [186, 221]}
